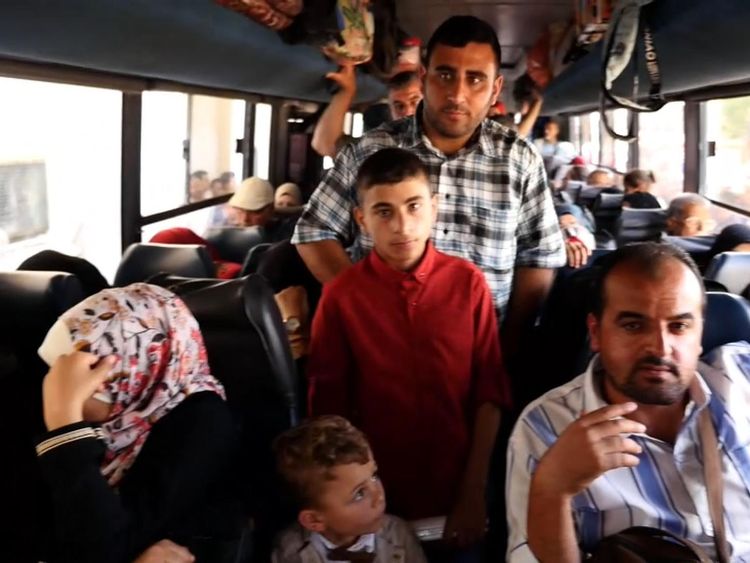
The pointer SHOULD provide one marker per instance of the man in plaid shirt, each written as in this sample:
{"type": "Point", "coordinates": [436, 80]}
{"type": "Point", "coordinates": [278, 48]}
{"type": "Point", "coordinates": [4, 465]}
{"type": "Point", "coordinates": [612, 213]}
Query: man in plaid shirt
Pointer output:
{"type": "Point", "coordinates": [494, 206]}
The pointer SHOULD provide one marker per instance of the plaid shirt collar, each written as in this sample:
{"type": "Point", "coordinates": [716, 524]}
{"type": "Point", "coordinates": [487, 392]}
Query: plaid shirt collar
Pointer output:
{"type": "Point", "coordinates": [482, 137]}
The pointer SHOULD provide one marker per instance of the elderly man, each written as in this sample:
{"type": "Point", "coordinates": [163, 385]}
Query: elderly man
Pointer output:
{"type": "Point", "coordinates": [689, 215]}
{"type": "Point", "coordinates": [620, 445]}
{"type": "Point", "coordinates": [494, 208]}
{"type": "Point", "coordinates": [252, 205]}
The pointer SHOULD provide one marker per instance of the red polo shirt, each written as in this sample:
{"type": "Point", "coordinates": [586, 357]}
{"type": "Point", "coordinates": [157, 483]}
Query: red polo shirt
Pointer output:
{"type": "Point", "coordinates": [408, 358]}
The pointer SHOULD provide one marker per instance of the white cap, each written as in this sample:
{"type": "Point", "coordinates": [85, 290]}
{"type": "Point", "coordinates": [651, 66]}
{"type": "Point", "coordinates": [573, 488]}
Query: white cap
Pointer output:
{"type": "Point", "coordinates": [253, 194]}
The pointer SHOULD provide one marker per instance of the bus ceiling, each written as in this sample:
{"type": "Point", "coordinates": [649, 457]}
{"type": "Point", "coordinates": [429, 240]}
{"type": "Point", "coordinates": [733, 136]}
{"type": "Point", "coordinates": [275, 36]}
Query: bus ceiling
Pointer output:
{"type": "Point", "coordinates": [700, 44]}
{"type": "Point", "coordinates": [191, 42]}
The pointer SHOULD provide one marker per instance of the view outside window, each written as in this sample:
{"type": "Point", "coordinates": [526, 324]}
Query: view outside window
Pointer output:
{"type": "Point", "coordinates": [728, 138]}
{"type": "Point", "coordinates": [59, 172]}
{"type": "Point", "coordinates": [661, 148]}
{"type": "Point", "coordinates": [262, 140]}
{"type": "Point", "coordinates": [584, 134]}
{"type": "Point", "coordinates": [614, 153]}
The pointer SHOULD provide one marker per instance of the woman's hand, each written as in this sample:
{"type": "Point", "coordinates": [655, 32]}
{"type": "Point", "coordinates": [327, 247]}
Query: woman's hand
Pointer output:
{"type": "Point", "coordinates": [71, 380]}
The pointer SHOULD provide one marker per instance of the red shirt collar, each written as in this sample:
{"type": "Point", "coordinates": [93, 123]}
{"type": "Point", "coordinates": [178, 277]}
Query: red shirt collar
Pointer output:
{"type": "Point", "coordinates": [419, 273]}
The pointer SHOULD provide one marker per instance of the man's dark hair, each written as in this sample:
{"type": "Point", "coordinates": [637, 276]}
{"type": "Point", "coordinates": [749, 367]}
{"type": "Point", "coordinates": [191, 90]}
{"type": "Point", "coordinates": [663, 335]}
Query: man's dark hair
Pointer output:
{"type": "Point", "coordinates": [458, 31]}
{"type": "Point", "coordinates": [199, 175]}
{"type": "Point", "coordinates": [402, 79]}
{"type": "Point", "coordinates": [648, 257]}
{"type": "Point", "coordinates": [389, 166]}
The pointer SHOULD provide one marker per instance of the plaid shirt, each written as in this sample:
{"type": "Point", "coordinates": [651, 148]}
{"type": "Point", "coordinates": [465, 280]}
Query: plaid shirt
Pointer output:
{"type": "Point", "coordinates": [494, 208]}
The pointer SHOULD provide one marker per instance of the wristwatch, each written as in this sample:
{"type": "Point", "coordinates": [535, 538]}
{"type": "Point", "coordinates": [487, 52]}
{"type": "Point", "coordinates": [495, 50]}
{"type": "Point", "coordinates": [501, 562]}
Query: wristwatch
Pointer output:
{"type": "Point", "coordinates": [292, 324]}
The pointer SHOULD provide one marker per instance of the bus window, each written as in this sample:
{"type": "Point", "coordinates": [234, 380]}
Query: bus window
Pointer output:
{"type": "Point", "coordinates": [727, 154]}
{"type": "Point", "coordinates": [262, 140]}
{"type": "Point", "coordinates": [164, 169]}
{"type": "Point", "coordinates": [614, 153]}
{"type": "Point", "coordinates": [584, 133]}
{"type": "Point", "coordinates": [661, 148]}
{"type": "Point", "coordinates": [197, 221]}
{"type": "Point", "coordinates": [357, 125]}
{"type": "Point", "coordinates": [59, 172]}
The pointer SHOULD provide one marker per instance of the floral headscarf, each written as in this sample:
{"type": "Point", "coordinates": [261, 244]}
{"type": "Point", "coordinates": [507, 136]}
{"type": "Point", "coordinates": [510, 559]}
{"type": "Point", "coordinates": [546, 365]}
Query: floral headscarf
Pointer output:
{"type": "Point", "coordinates": [161, 359]}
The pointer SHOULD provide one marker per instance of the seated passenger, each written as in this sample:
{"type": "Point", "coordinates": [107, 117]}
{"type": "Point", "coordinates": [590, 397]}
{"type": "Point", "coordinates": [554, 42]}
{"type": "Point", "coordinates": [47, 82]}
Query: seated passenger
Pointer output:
{"type": "Point", "coordinates": [141, 443]}
{"type": "Point", "coordinates": [225, 269]}
{"type": "Point", "coordinates": [579, 242]}
{"type": "Point", "coordinates": [287, 195]}
{"type": "Point", "coordinates": [329, 468]}
{"type": "Point", "coordinates": [555, 152]}
{"type": "Point", "coordinates": [689, 215]}
{"type": "Point", "coordinates": [252, 206]}
{"type": "Point", "coordinates": [638, 184]}
{"type": "Point", "coordinates": [601, 178]}
{"type": "Point", "coordinates": [734, 238]}
{"type": "Point", "coordinates": [406, 343]}
{"type": "Point", "coordinates": [619, 445]}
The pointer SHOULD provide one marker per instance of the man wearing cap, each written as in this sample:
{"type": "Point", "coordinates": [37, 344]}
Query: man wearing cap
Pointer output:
{"type": "Point", "coordinates": [288, 195]}
{"type": "Point", "coordinates": [252, 205]}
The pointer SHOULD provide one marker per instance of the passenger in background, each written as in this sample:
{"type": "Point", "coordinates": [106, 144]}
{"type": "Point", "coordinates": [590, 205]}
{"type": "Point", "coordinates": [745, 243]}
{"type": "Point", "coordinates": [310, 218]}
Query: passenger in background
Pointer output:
{"type": "Point", "coordinates": [332, 475]}
{"type": "Point", "coordinates": [579, 241]}
{"type": "Point", "coordinates": [576, 171]}
{"type": "Point", "coordinates": [287, 195]}
{"type": "Point", "coordinates": [252, 205]}
{"type": "Point", "coordinates": [601, 178]}
{"type": "Point", "coordinates": [141, 444]}
{"type": "Point", "coordinates": [199, 186]}
{"type": "Point", "coordinates": [494, 205]}
{"type": "Point", "coordinates": [404, 94]}
{"type": "Point", "coordinates": [405, 343]}
{"type": "Point", "coordinates": [638, 184]}
{"type": "Point", "coordinates": [734, 238]}
{"type": "Point", "coordinates": [689, 215]}
{"type": "Point", "coordinates": [621, 445]}
{"type": "Point", "coordinates": [555, 152]}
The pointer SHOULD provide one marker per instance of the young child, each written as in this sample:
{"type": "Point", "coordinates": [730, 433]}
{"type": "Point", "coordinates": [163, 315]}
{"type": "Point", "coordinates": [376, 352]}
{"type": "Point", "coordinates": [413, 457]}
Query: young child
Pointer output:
{"type": "Point", "coordinates": [328, 466]}
{"type": "Point", "coordinates": [405, 344]}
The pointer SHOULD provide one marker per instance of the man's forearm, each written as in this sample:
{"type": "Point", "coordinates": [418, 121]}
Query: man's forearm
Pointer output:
{"type": "Point", "coordinates": [550, 529]}
{"type": "Point", "coordinates": [530, 289]}
{"type": "Point", "coordinates": [325, 259]}
{"type": "Point", "coordinates": [330, 126]}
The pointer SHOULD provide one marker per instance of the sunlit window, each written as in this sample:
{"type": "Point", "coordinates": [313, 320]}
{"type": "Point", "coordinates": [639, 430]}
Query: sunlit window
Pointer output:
{"type": "Point", "coordinates": [59, 172]}
{"type": "Point", "coordinates": [661, 148]}
{"type": "Point", "coordinates": [262, 140]}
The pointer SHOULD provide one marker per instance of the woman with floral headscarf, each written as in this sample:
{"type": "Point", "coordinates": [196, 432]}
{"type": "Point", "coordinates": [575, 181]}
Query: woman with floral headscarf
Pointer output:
{"type": "Point", "coordinates": [140, 443]}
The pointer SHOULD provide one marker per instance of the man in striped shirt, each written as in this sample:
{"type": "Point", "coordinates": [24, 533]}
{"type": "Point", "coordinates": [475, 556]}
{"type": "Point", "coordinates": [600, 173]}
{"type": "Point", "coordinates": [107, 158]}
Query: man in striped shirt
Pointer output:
{"type": "Point", "coordinates": [494, 208]}
{"type": "Point", "coordinates": [619, 445]}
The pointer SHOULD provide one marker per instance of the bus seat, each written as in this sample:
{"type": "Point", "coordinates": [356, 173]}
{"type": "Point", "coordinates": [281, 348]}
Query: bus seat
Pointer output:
{"type": "Point", "coordinates": [573, 188]}
{"type": "Point", "coordinates": [91, 279]}
{"type": "Point", "coordinates": [698, 247]}
{"type": "Point", "coordinates": [31, 302]}
{"type": "Point", "coordinates": [253, 259]}
{"type": "Point", "coordinates": [606, 209]}
{"type": "Point", "coordinates": [233, 243]}
{"type": "Point", "coordinates": [727, 320]}
{"type": "Point", "coordinates": [249, 353]}
{"type": "Point", "coordinates": [640, 225]}
{"type": "Point", "coordinates": [731, 269]}
{"type": "Point", "coordinates": [142, 260]}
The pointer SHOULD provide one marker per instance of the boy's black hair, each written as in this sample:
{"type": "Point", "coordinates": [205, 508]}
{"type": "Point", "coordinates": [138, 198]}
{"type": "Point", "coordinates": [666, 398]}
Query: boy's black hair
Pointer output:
{"type": "Point", "coordinates": [389, 166]}
{"type": "Point", "coordinates": [458, 31]}
{"type": "Point", "coordinates": [648, 257]}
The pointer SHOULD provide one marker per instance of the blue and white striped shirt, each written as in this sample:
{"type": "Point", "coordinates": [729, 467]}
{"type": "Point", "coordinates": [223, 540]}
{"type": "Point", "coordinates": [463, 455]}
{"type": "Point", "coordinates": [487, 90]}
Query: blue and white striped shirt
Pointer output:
{"type": "Point", "coordinates": [666, 490]}
{"type": "Point", "coordinates": [494, 208]}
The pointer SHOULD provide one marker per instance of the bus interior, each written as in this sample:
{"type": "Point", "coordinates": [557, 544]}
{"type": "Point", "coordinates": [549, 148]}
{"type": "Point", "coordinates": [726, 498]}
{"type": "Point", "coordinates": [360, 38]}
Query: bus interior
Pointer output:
{"type": "Point", "coordinates": [107, 109]}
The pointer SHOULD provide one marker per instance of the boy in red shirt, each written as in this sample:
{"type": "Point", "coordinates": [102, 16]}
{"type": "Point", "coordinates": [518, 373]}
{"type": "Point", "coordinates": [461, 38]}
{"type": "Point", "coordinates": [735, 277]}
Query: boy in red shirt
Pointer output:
{"type": "Point", "coordinates": [405, 344]}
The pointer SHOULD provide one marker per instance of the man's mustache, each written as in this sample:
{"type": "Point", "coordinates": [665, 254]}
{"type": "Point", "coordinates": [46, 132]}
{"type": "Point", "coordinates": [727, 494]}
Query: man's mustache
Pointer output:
{"type": "Point", "coordinates": [656, 362]}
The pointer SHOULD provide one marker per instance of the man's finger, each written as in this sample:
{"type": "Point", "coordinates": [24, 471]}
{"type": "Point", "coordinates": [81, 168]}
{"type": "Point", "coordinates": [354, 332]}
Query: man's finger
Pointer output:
{"type": "Point", "coordinates": [620, 444]}
{"type": "Point", "coordinates": [606, 413]}
{"type": "Point", "coordinates": [621, 460]}
{"type": "Point", "coordinates": [617, 426]}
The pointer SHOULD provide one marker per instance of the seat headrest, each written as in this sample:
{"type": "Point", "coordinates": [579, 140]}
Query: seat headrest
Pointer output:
{"type": "Point", "coordinates": [233, 243]}
{"type": "Point", "coordinates": [142, 260]}
{"type": "Point", "coordinates": [731, 269]}
{"type": "Point", "coordinates": [639, 225]}
{"type": "Point", "coordinates": [608, 201]}
{"type": "Point", "coordinates": [727, 320]}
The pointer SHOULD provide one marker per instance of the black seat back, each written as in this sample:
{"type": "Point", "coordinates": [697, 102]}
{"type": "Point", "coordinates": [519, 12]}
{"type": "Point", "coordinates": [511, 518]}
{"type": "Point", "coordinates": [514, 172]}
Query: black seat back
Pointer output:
{"type": "Point", "coordinates": [141, 260]}
{"type": "Point", "coordinates": [253, 258]}
{"type": "Point", "coordinates": [727, 320]}
{"type": "Point", "coordinates": [249, 353]}
{"type": "Point", "coordinates": [640, 225]}
{"type": "Point", "coordinates": [699, 247]}
{"type": "Point", "coordinates": [30, 303]}
{"type": "Point", "coordinates": [233, 243]}
{"type": "Point", "coordinates": [606, 209]}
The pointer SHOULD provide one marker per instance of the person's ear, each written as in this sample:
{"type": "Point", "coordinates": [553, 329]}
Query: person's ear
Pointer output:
{"type": "Point", "coordinates": [359, 217]}
{"type": "Point", "coordinates": [497, 87]}
{"type": "Point", "coordinates": [594, 327]}
{"type": "Point", "coordinates": [311, 520]}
